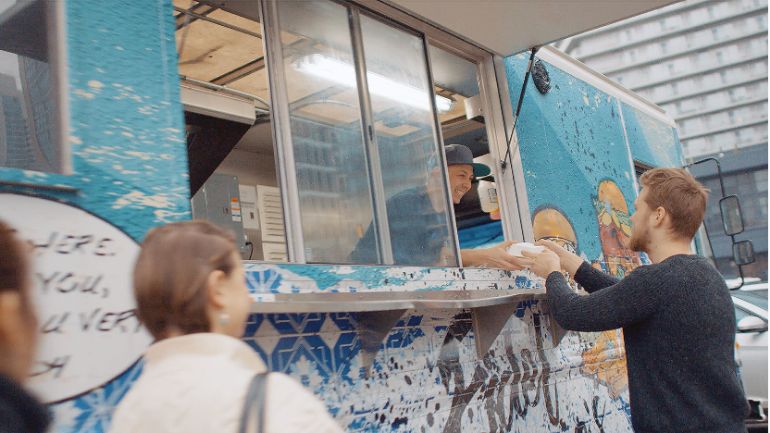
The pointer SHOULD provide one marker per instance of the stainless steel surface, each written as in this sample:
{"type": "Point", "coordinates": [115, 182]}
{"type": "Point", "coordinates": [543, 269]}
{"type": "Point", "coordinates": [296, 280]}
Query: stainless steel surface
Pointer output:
{"type": "Point", "coordinates": [59, 63]}
{"type": "Point", "coordinates": [225, 89]}
{"type": "Point", "coordinates": [373, 327]}
{"type": "Point", "coordinates": [487, 323]}
{"type": "Point", "coordinates": [383, 301]}
{"type": "Point", "coordinates": [282, 132]}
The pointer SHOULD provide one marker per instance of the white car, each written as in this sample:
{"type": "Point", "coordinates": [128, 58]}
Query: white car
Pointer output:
{"type": "Point", "coordinates": [751, 343]}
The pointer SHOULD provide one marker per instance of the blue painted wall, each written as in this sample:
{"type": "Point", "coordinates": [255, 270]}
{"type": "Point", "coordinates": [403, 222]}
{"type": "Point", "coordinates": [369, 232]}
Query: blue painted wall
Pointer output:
{"type": "Point", "coordinates": [126, 129]}
{"type": "Point", "coordinates": [127, 140]}
{"type": "Point", "coordinates": [576, 140]}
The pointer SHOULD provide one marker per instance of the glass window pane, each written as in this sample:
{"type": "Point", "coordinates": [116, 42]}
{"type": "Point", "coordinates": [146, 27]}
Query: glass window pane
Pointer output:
{"type": "Point", "coordinates": [329, 150]}
{"type": "Point", "coordinates": [28, 109]}
{"type": "Point", "coordinates": [415, 189]}
{"type": "Point", "coordinates": [232, 161]}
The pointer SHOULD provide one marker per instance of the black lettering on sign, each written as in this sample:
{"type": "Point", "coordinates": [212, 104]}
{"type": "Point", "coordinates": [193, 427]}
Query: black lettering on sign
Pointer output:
{"type": "Point", "coordinates": [39, 247]}
{"type": "Point", "coordinates": [108, 321]}
{"type": "Point", "coordinates": [46, 280]}
{"type": "Point", "coordinates": [68, 282]}
{"type": "Point", "coordinates": [80, 244]}
{"type": "Point", "coordinates": [54, 366]}
{"type": "Point", "coordinates": [54, 323]}
{"type": "Point", "coordinates": [103, 248]}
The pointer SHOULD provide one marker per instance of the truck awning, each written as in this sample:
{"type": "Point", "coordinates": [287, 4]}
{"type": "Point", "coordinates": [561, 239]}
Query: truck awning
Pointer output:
{"type": "Point", "coordinates": [511, 26]}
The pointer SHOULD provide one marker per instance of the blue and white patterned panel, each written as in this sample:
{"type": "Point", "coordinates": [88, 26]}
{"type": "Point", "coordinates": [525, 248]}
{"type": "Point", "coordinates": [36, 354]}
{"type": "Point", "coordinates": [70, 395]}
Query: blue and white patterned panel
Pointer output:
{"type": "Point", "coordinates": [293, 278]}
{"type": "Point", "coordinates": [428, 378]}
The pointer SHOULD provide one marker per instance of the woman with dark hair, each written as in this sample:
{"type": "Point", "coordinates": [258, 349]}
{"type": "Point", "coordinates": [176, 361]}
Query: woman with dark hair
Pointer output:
{"type": "Point", "coordinates": [199, 377]}
{"type": "Point", "coordinates": [20, 412]}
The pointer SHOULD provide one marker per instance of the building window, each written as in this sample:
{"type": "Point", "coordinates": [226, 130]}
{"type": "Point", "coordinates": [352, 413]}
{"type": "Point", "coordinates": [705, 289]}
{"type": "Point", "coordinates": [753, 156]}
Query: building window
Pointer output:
{"type": "Point", "coordinates": [663, 47]}
{"type": "Point", "coordinates": [723, 77]}
{"type": "Point", "coordinates": [711, 12]}
{"type": "Point", "coordinates": [715, 33]}
{"type": "Point", "coordinates": [674, 88]}
{"type": "Point", "coordinates": [720, 57]}
{"type": "Point", "coordinates": [32, 90]}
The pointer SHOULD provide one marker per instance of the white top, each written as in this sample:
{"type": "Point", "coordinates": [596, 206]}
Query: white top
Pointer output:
{"type": "Point", "coordinates": [196, 384]}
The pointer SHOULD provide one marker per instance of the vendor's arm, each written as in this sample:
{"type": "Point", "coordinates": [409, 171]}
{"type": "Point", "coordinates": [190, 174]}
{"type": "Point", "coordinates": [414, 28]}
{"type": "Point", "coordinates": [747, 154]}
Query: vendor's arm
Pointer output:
{"type": "Point", "coordinates": [494, 257]}
{"type": "Point", "coordinates": [589, 278]}
{"type": "Point", "coordinates": [629, 301]}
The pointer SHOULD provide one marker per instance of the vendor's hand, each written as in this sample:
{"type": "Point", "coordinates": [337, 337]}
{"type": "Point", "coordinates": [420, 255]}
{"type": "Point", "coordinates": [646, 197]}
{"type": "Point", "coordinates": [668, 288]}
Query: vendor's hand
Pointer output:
{"type": "Point", "coordinates": [544, 263]}
{"type": "Point", "coordinates": [495, 257]}
{"type": "Point", "coordinates": [570, 262]}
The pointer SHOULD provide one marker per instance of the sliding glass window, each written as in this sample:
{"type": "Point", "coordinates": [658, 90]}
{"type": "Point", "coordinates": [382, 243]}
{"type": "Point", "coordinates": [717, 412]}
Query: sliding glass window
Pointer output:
{"type": "Point", "coordinates": [371, 182]}
{"type": "Point", "coordinates": [335, 199]}
{"type": "Point", "coordinates": [401, 96]}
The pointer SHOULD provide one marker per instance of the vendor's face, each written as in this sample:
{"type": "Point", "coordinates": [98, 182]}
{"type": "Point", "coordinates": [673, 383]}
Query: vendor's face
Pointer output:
{"type": "Point", "coordinates": [460, 177]}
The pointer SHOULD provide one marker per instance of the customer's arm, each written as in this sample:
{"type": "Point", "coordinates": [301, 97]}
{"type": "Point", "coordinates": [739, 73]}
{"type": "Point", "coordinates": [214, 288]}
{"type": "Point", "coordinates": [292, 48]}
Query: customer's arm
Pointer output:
{"type": "Point", "coordinates": [589, 278]}
{"type": "Point", "coordinates": [631, 300]}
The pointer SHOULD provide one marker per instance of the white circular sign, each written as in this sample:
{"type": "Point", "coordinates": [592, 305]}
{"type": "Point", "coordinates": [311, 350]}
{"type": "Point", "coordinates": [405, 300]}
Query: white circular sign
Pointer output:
{"type": "Point", "coordinates": [82, 289]}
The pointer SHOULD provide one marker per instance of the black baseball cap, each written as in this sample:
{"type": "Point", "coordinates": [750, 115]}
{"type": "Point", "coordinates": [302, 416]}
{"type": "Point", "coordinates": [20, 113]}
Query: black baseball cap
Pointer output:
{"type": "Point", "coordinates": [457, 154]}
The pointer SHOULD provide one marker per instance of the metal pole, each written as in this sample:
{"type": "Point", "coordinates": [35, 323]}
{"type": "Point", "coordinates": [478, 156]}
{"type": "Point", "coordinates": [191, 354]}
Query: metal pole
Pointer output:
{"type": "Point", "coordinates": [531, 63]}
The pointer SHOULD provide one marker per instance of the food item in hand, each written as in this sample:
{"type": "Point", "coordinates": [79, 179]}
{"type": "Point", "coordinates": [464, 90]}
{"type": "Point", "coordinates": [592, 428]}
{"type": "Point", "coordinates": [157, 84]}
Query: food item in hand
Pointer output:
{"type": "Point", "coordinates": [517, 249]}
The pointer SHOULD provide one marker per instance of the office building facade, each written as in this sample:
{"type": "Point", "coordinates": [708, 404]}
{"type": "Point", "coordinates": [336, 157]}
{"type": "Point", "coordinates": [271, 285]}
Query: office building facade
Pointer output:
{"type": "Point", "coordinates": [705, 63]}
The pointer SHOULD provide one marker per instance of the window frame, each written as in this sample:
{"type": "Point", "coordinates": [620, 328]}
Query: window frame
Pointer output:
{"type": "Point", "coordinates": [491, 77]}
{"type": "Point", "coordinates": [56, 45]}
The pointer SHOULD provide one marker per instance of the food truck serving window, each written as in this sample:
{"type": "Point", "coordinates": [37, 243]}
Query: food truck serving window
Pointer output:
{"type": "Point", "coordinates": [362, 137]}
{"type": "Point", "coordinates": [314, 131]}
{"type": "Point", "coordinates": [32, 114]}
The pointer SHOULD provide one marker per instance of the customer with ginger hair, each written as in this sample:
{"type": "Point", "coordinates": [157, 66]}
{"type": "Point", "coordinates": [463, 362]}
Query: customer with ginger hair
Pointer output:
{"type": "Point", "coordinates": [676, 314]}
{"type": "Point", "coordinates": [198, 376]}
{"type": "Point", "coordinates": [20, 412]}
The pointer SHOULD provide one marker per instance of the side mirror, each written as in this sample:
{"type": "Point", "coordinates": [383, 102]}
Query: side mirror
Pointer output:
{"type": "Point", "coordinates": [743, 253]}
{"type": "Point", "coordinates": [752, 324]}
{"type": "Point", "coordinates": [732, 220]}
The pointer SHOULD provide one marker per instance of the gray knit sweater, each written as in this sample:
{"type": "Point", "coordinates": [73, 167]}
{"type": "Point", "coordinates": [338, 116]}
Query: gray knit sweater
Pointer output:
{"type": "Point", "coordinates": [679, 330]}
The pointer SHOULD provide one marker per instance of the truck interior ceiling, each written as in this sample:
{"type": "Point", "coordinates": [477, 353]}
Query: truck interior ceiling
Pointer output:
{"type": "Point", "coordinates": [231, 151]}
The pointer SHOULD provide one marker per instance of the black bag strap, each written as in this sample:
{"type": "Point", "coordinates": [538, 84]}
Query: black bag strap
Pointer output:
{"type": "Point", "coordinates": [254, 404]}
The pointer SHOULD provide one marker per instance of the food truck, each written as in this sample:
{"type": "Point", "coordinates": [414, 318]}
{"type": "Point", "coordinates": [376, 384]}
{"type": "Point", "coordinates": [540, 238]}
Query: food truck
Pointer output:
{"type": "Point", "coordinates": [292, 124]}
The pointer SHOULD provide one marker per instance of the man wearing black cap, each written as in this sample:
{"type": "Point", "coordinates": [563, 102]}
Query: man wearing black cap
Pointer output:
{"type": "Point", "coordinates": [419, 233]}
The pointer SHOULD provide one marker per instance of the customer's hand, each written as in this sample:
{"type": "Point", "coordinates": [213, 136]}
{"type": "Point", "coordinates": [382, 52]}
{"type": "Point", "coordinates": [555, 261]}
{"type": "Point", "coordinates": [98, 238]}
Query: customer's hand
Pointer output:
{"type": "Point", "coordinates": [544, 263]}
{"type": "Point", "coordinates": [495, 257]}
{"type": "Point", "coordinates": [570, 262]}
